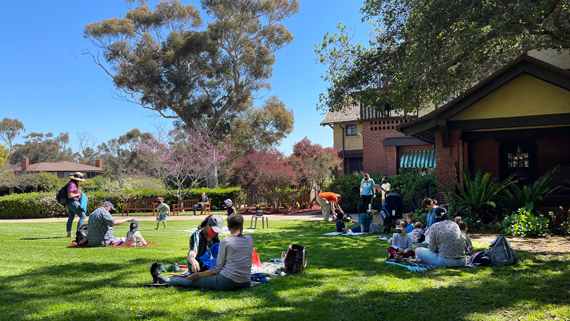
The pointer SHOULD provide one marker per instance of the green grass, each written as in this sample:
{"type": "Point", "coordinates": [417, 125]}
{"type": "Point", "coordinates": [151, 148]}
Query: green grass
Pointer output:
{"type": "Point", "coordinates": [346, 279]}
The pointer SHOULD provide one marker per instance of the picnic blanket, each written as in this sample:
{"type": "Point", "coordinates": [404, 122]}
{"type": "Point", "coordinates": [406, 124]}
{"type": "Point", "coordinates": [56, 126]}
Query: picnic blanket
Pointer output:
{"type": "Point", "coordinates": [421, 264]}
{"type": "Point", "coordinates": [340, 233]}
{"type": "Point", "coordinates": [389, 240]}
{"type": "Point", "coordinates": [113, 245]}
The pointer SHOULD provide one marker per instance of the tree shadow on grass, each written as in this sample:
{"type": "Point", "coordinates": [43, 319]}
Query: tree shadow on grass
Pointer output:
{"type": "Point", "coordinates": [43, 238]}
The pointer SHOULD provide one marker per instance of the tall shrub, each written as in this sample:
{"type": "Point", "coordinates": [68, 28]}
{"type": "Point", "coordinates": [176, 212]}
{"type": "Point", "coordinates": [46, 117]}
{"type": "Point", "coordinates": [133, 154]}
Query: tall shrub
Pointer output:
{"type": "Point", "coordinates": [265, 173]}
{"type": "Point", "coordinates": [531, 195]}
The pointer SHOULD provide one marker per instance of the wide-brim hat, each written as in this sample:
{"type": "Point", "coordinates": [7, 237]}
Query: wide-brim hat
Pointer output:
{"type": "Point", "coordinates": [77, 176]}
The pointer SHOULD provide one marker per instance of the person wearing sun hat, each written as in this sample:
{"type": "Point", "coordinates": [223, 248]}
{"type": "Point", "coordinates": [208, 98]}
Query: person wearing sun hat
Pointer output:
{"type": "Point", "coordinates": [230, 207]}
{"type": "Point", "coordinates": [74, 206]}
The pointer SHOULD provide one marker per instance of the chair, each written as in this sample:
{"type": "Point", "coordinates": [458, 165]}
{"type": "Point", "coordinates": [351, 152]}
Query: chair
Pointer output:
{"type": "Point", "coordinates": [259, 214]}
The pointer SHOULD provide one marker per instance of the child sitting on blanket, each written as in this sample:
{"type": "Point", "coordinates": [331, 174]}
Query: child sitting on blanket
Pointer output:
{"type": "Point", "coordinates": [401, 243]}
{"type": "Point", "coordinates": [340, 226]}
{"type": "Point", "coordinates": [416, 235]}
{"type": "Point", "coordinates": [410, 222]}
{"type": "Point", "coordinates": [466, 239]}
{"type": "Point", "coordinates": [134, 237]}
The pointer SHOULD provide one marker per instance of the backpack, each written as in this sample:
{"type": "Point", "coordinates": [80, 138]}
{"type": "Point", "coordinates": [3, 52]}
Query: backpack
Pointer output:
{"type": "Point", "coordinates": [375, 228]}
{"type": "Point", "coordinates": [500, 252]}
{"type": "Point", "coordinates": [296, 259]}
{"type": "Point", "coordinates": [81, 235]}
{"type": "Point", "coordinates": [61, 196]}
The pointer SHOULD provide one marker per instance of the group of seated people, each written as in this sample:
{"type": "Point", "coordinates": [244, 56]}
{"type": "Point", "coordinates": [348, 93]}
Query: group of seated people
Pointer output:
{"type": "Point", "coordinates": [447, 241]}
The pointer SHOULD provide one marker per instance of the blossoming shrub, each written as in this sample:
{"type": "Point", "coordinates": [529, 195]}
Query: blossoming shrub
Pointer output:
{"type": "Point", "coordinates": [524, 223]}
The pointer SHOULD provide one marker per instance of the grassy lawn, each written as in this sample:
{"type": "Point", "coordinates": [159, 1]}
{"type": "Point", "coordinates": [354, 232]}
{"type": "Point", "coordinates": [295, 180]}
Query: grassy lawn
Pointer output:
{"type": "Point", "coordinates": [346, 279]}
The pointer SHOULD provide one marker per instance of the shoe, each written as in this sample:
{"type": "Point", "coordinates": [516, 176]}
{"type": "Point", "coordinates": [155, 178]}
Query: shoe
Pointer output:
{"type": "Point", "coordinates": [174, 268]}
{"type": "Point", "coordinates": [399, 257]}
{"type": "Point", "coordinates": [161, 267]}
{"type": "Point", "coordinates": [154, 271]}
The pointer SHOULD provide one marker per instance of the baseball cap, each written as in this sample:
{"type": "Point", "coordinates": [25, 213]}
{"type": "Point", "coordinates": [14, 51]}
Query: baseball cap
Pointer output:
{"type": "Point", "coordinates": [134, 226]}
{"type": "Point", "coordinates": [216, 223]}
{"type": "Point", "coordinates": [110, 205]}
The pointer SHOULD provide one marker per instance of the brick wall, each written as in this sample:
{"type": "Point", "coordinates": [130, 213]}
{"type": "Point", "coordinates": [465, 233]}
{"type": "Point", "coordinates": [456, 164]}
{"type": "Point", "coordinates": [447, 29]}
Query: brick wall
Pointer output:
{"type": "Point", "coordinates": [448, 160]}
{"type": "Point", "coordinates": [377, 158]}
{"type": "Point", "coordinates": [485, 154]}
{"type": "Point", "coordinates": [553, 151]}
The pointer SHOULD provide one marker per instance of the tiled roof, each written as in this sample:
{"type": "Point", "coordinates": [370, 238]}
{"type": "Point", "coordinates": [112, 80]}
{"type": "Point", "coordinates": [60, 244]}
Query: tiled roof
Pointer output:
{"type": "Point", "coordinates": [346, 115]}
{"type": "Point", "coordinates": [62, 167]}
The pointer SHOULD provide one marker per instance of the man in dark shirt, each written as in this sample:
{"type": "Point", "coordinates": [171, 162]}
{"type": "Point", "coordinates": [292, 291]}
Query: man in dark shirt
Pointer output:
{"type": "Point", "coordinates": [201, 203]}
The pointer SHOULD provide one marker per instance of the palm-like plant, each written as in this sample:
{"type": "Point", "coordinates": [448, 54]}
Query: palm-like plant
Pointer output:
{"type": "Point", "coordinates": [478, 194]}
{"type": "Point", "coordinates": [531, 195]}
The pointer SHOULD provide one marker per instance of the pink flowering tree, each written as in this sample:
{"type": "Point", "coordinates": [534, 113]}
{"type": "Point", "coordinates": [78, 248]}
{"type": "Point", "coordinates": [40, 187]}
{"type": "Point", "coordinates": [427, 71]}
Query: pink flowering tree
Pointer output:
{"type": "Point", "coordinates": [265, 173]}
{"type": "Point", "coordinates": [314, 164]}
{"type": "Point", "coordinates": [182, 159]}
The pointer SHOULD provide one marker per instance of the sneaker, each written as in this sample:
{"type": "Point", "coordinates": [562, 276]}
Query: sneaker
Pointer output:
{"type": "Point", "coordinates": [154, 271]}
{"type": "Point", "coordinates": [398, 257]}
{"type": "Point", "coordinates": [174, 268]}
{"type": "Point", "coordinates": [161, 267]}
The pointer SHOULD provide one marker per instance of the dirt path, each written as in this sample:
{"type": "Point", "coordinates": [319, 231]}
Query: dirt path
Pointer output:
{"type": "Point", "coordinates": [550, 245]}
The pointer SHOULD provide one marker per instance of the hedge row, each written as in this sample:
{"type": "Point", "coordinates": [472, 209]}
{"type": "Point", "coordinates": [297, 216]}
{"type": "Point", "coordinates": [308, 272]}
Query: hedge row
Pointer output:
{"type": "Point", "coordinates": [40, 205]}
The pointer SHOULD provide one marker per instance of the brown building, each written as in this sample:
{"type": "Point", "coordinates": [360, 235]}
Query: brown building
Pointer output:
{"type": "Point", "coordinates": [63, 169]}
{"type": "Point", "coordinates": [369, 141]}
{"type": "Point", "coordinates": [517, 121]}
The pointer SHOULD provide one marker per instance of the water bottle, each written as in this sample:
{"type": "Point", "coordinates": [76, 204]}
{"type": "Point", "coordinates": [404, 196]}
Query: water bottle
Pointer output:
{"type": "Point", "coordinates": [283, 259]}
{"type": "Point", "coordinates": [369, 207]}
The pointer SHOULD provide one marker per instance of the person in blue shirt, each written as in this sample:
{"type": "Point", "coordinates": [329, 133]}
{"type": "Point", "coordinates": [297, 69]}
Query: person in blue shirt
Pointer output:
{"type": "Point", "coordinates": [410, 222]}
{"type": "Point", "coordinates": [363, 221]}
{"type": "Point", "coordinates": [429, 205]}
{"type": "Point", "coordinates": [367, 190]}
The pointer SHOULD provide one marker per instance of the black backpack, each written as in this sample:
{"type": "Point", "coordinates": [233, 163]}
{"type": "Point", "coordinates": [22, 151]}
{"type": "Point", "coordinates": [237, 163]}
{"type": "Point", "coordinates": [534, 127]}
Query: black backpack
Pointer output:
{"type": "Point", "coordinates": [81, 235]}
{"type": "Point", "coordinates": [296, 259]}
{"type": "Point", "coordinates": [61, 196]}
{"type": "Point", "coordinates": [500, 252]}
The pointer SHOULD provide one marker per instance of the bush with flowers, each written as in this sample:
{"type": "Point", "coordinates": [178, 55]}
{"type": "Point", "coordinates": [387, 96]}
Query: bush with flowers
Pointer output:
{"type": "Point", "coordinates": [523, 223]}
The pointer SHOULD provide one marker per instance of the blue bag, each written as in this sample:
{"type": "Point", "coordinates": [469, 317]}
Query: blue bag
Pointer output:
{"type": "Point", "coordinates": [209, 258]}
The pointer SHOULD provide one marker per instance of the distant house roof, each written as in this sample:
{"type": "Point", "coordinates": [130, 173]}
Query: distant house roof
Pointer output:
{"type": "Point", "coordinates": [62, 167]}
{"type": "Point", "coordinates": [346, 115]}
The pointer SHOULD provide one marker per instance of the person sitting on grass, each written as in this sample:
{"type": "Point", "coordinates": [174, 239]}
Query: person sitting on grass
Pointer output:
{"type": "Point", "coordinates": [163, 211]}
{"type": "Point", "coordinates": [446, 246]}
{"type": "Point", "coordinates": [468, 245]}
{"type": "Point", "coordinates": [340, 226]}
{"type": "Point", "coordinates": [416, 235]}
{"type": "Point", "coordinates": [363, 220]}
{"type": "Point", "coordinates": [134, 237]}
{"type": "Point", "coordinates": [101, 226]}
{"type": "Point", "coordinates": [401, 243]}
{"type": "Point", "coordinates": [202, 240]}
{"type": "Point", "coordinates": [233, 264]}
{"type": "Point", "coordinates": [410, 222]}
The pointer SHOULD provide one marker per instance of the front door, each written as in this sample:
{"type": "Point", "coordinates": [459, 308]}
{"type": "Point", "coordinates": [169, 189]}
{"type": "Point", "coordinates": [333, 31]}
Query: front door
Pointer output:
{"type": "Point", "coordinates": [519, 158]}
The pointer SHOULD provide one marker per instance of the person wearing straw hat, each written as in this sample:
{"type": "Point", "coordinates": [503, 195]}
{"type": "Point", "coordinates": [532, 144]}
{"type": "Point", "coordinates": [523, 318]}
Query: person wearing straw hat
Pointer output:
{"type": "Point", "coordinates": [74, 206]}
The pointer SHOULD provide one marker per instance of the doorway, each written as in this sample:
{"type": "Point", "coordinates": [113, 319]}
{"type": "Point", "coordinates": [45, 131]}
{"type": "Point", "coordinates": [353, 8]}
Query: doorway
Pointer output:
{"type": "Point", "coordinates": [519, 158]}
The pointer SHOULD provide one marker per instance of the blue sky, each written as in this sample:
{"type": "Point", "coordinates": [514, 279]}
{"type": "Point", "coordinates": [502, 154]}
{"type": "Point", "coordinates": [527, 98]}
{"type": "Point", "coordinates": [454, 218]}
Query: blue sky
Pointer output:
{"type": "Point", "coordinates": [43, 85]}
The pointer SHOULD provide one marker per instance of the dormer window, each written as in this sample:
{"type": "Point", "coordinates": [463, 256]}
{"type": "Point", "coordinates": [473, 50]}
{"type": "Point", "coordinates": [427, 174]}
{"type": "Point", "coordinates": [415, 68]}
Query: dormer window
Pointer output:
{"type": "Point", "coordinates": [351, 130]}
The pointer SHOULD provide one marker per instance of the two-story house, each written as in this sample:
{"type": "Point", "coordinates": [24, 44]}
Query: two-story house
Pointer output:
{"type": "Point", "coordinates": [369, 142]}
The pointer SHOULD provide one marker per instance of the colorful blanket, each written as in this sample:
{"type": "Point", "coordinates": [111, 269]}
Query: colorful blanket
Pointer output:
{"type": "Point", "coordinates": [389, 240]}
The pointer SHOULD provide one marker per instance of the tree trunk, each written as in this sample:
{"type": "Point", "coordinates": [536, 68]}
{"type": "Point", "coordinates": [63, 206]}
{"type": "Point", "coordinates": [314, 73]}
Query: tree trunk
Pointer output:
{"type": "Point", "coordinates": [212, 176]}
